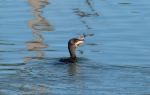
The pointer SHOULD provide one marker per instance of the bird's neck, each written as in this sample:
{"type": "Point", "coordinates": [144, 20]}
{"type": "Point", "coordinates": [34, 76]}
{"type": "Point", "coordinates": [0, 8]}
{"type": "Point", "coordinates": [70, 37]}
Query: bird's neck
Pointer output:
{"type": "Point", "coordinates": [72, 49]}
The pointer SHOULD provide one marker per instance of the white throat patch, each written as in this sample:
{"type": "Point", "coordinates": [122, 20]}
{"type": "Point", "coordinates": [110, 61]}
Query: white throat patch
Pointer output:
{"type": "Point", "coordinates": [78, 43]}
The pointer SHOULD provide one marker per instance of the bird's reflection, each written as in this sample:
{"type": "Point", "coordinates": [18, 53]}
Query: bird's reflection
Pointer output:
{"type": "Point", "coordinates": [38, 24]}
{"type": "Point", "coordinates": [72, 69]}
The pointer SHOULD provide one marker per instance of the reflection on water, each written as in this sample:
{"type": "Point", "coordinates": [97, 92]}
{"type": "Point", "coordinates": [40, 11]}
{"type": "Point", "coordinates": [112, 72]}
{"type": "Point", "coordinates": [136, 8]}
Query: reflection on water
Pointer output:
{"type": "Point", "coordinates": [84, 16]}
{"type": "Point", "coordinates": [38, 24]}
{"type": "Point", "coordinates": [91, 6]}
{"type": "Point", "coordinates": [72, 70]}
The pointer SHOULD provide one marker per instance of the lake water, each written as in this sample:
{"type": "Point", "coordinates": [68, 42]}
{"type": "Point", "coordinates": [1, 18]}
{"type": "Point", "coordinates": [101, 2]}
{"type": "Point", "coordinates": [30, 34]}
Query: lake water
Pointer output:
{"type": "Point", "coordinates": [114, 60]}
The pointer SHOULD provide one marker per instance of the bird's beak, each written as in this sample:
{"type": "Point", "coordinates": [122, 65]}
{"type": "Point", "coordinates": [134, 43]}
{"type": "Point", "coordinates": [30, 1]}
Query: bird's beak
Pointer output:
{"type": "Point", "coordinates": [79, 43]}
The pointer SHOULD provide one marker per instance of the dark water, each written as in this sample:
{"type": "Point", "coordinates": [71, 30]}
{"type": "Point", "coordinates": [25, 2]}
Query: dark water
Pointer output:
{"type": "Point", "coordinates": [115, 59]}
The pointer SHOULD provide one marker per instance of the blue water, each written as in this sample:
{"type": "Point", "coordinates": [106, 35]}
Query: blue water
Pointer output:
{"type": "Point", "coordinates": [114, 60]}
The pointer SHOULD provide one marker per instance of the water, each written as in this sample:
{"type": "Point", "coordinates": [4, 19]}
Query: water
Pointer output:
{"type": "Point", "coordinates": [113, 61]}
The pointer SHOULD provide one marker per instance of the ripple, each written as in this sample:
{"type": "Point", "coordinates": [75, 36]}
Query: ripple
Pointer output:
{"type": "Point", "coordinates": [12, 64]}
{"type": "Point", "coordinates": [4, 42]}
{"type": "Point", "coordinates": [7, 43]}
{"type": "Point", "coordinates": [125, 3]}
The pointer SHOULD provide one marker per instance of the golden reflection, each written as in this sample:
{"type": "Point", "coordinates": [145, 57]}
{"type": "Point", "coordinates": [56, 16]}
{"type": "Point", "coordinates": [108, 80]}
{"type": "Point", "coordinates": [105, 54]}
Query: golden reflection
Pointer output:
{"type": "Point", "coordinates": [37, 5]}
{"type": "Point", "coordinates": [38, 24]}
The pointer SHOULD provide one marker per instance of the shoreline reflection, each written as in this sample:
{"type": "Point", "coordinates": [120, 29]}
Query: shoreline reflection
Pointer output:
{"type": "Point", "coordinates": [38, 24]}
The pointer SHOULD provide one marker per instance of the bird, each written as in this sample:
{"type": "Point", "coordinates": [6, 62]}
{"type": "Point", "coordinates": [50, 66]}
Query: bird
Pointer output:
{"type": "Point", "coordinates": [73, 43]}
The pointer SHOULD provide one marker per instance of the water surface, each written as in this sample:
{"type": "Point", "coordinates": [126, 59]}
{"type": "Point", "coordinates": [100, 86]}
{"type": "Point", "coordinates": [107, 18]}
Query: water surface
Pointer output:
{"type": "Point", "coordinates": [113, 61]}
